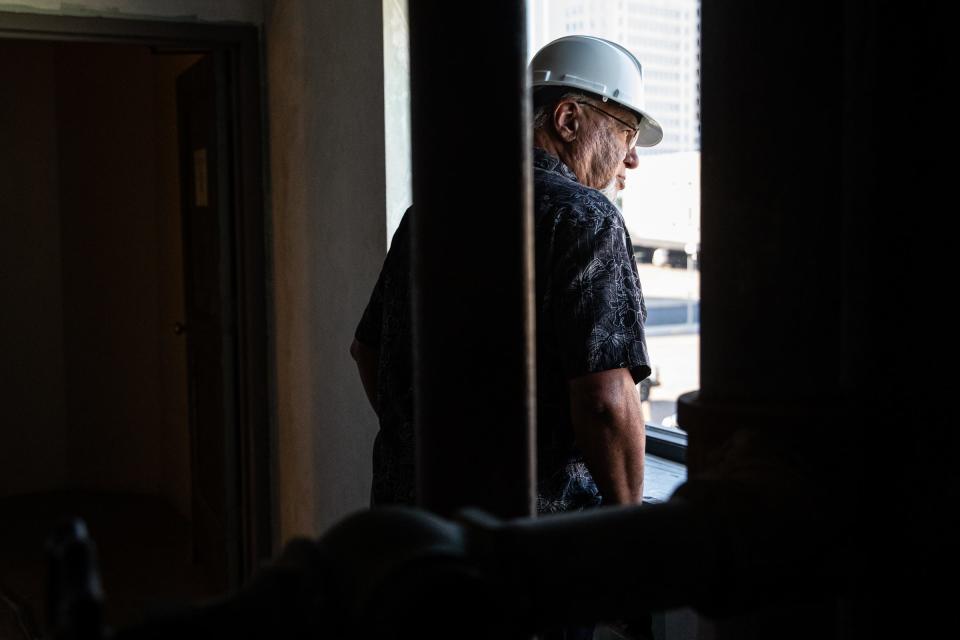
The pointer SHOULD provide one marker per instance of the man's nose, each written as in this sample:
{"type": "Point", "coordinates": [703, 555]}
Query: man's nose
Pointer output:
{"type": "Point", "coordinates": [631, 160]}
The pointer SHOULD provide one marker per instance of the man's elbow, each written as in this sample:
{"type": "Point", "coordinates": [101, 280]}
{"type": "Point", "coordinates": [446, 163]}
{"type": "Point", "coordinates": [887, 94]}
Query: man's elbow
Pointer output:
{"type": "Point", "coordinates": [355, 348]}
{"type": "Point", "coordinates": [606, 396]}
{"type": "Point", "coordinates": [598, 412]}
{"type": "Point", "coordinates": [365, 356]}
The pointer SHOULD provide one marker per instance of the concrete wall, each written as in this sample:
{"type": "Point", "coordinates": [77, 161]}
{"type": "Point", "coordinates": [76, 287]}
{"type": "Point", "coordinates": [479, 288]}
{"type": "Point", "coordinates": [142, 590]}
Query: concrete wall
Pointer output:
{"type": "Point", "coordinates": [325, 115]}
{"type": "Point", "coordinates": [32, 427]}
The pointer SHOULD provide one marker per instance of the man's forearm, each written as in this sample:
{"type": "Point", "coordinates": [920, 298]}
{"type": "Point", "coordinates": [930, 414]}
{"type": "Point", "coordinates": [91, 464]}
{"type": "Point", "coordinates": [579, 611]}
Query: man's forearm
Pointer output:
{"type": "Point", "coordinates": [616, 460]}
{"type": "Point", "coordinates": [609, 427]}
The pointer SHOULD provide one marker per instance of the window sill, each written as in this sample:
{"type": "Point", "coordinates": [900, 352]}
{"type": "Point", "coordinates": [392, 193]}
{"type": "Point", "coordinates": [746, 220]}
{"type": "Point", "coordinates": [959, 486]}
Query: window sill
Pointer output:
{"type": "Point", "coordinates": [661, 478]}
{"type": "Point", "coordinates": [664, 464]}
{"type": "Point", "coordinates": [667, 443]}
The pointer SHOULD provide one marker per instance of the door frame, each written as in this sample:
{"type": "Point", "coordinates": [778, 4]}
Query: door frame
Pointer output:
{"type": "Point", "coordinates": [253, 437]}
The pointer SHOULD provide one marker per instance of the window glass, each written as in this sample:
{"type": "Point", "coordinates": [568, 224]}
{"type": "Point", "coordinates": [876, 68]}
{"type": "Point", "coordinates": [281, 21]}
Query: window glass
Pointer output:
{"type": "Point", "coordinates": [661, 202]}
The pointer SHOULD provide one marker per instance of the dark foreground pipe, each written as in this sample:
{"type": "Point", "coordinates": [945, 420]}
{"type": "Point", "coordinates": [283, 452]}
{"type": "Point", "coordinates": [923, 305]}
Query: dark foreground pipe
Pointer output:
{"type": "Point", "coordinates": [472, 258]}
{"type": "Point", "coordinates": [748, 535]}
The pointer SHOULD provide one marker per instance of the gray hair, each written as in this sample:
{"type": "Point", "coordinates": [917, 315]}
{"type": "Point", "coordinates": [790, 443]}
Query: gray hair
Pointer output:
{"type": "Point", "coordinates": [545, 100]}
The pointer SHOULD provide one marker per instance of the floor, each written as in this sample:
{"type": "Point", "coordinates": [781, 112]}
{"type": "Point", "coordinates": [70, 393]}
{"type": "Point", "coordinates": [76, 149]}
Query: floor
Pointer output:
{"type": "Point", "coordinates": [143, 544]}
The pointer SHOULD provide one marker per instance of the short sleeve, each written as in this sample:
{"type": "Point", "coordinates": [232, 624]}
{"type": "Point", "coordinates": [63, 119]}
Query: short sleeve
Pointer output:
{"type": "Point", "coordinates": [597, 309]}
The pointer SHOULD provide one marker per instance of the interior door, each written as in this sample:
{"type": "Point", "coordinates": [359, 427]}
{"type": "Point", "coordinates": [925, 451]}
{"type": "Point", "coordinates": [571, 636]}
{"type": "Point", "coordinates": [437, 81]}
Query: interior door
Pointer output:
{"type": "Point", "coordinates": [210, 330]}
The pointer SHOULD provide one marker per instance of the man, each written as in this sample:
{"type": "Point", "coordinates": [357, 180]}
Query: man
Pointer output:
{"type": "Point", "coordinates": [591, 351]}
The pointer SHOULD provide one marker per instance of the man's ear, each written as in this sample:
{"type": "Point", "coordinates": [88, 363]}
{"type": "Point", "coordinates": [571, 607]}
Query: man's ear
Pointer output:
{"type": "Point", "coordinates": [566, 120]}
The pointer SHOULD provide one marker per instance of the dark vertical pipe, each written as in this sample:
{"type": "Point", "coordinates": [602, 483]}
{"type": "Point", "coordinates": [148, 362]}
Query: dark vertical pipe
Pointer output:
{"type": "Point", "coordinates": [772, 224]}
{"type": "Point", "coordinates": [772, 320]}
{"type": "Point", "coordinates": [472, 258]}
{"type": "Point", "coordinates": [815, 341]}
{"type": "Point", "coordinates": [771, 202]}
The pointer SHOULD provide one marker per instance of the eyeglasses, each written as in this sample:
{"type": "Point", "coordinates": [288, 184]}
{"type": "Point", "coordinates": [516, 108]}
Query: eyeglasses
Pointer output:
{"type": "Point", "coordinates": [636, 130]}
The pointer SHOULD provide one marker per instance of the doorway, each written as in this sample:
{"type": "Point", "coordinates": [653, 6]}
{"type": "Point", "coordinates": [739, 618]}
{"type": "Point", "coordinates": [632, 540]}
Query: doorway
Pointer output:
{"type": "Point", "coordinates": [134, 310]}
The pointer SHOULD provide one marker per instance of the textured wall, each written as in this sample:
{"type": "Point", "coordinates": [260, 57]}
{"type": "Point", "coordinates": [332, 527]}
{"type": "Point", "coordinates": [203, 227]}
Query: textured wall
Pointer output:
{"type": "Point", "coordinates": [325, 78]}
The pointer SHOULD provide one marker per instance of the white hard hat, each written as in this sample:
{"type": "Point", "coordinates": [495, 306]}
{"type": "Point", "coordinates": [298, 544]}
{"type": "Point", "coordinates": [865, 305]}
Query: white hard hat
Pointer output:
{"type": "Point", "coordinates": [600, 67]}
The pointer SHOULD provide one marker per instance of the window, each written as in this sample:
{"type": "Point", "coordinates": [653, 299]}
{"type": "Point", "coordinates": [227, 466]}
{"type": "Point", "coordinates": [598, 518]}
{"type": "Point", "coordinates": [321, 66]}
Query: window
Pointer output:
{"type": "Point", "coordinates": [661, 204]}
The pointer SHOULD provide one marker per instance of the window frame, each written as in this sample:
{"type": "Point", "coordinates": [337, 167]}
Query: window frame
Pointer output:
{"type": "Point", "coordinates": [666, 443]}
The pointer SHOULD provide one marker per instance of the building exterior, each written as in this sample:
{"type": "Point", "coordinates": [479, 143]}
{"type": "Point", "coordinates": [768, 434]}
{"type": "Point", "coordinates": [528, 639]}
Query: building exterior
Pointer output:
{"type": "Point", "coordinates": [663, 34]}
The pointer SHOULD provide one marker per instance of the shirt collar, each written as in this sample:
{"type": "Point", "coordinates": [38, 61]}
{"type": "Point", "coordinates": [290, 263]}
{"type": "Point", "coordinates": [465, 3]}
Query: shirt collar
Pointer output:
{"type": "Point", "coordinates": [544, 160]}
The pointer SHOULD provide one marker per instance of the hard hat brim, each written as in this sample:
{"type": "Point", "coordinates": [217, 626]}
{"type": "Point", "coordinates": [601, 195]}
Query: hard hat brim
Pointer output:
{"type": "Point", "coordinates": [651, 133]}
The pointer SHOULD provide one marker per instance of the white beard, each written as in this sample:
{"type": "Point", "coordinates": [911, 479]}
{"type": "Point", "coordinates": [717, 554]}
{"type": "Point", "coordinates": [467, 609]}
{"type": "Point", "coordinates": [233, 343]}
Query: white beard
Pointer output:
{"type": "Point", "coordinates": [610, 191]}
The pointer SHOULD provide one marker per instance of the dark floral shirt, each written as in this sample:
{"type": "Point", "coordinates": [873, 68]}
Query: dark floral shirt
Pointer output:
{"type": "Point", "coordinates": [590, 315]}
